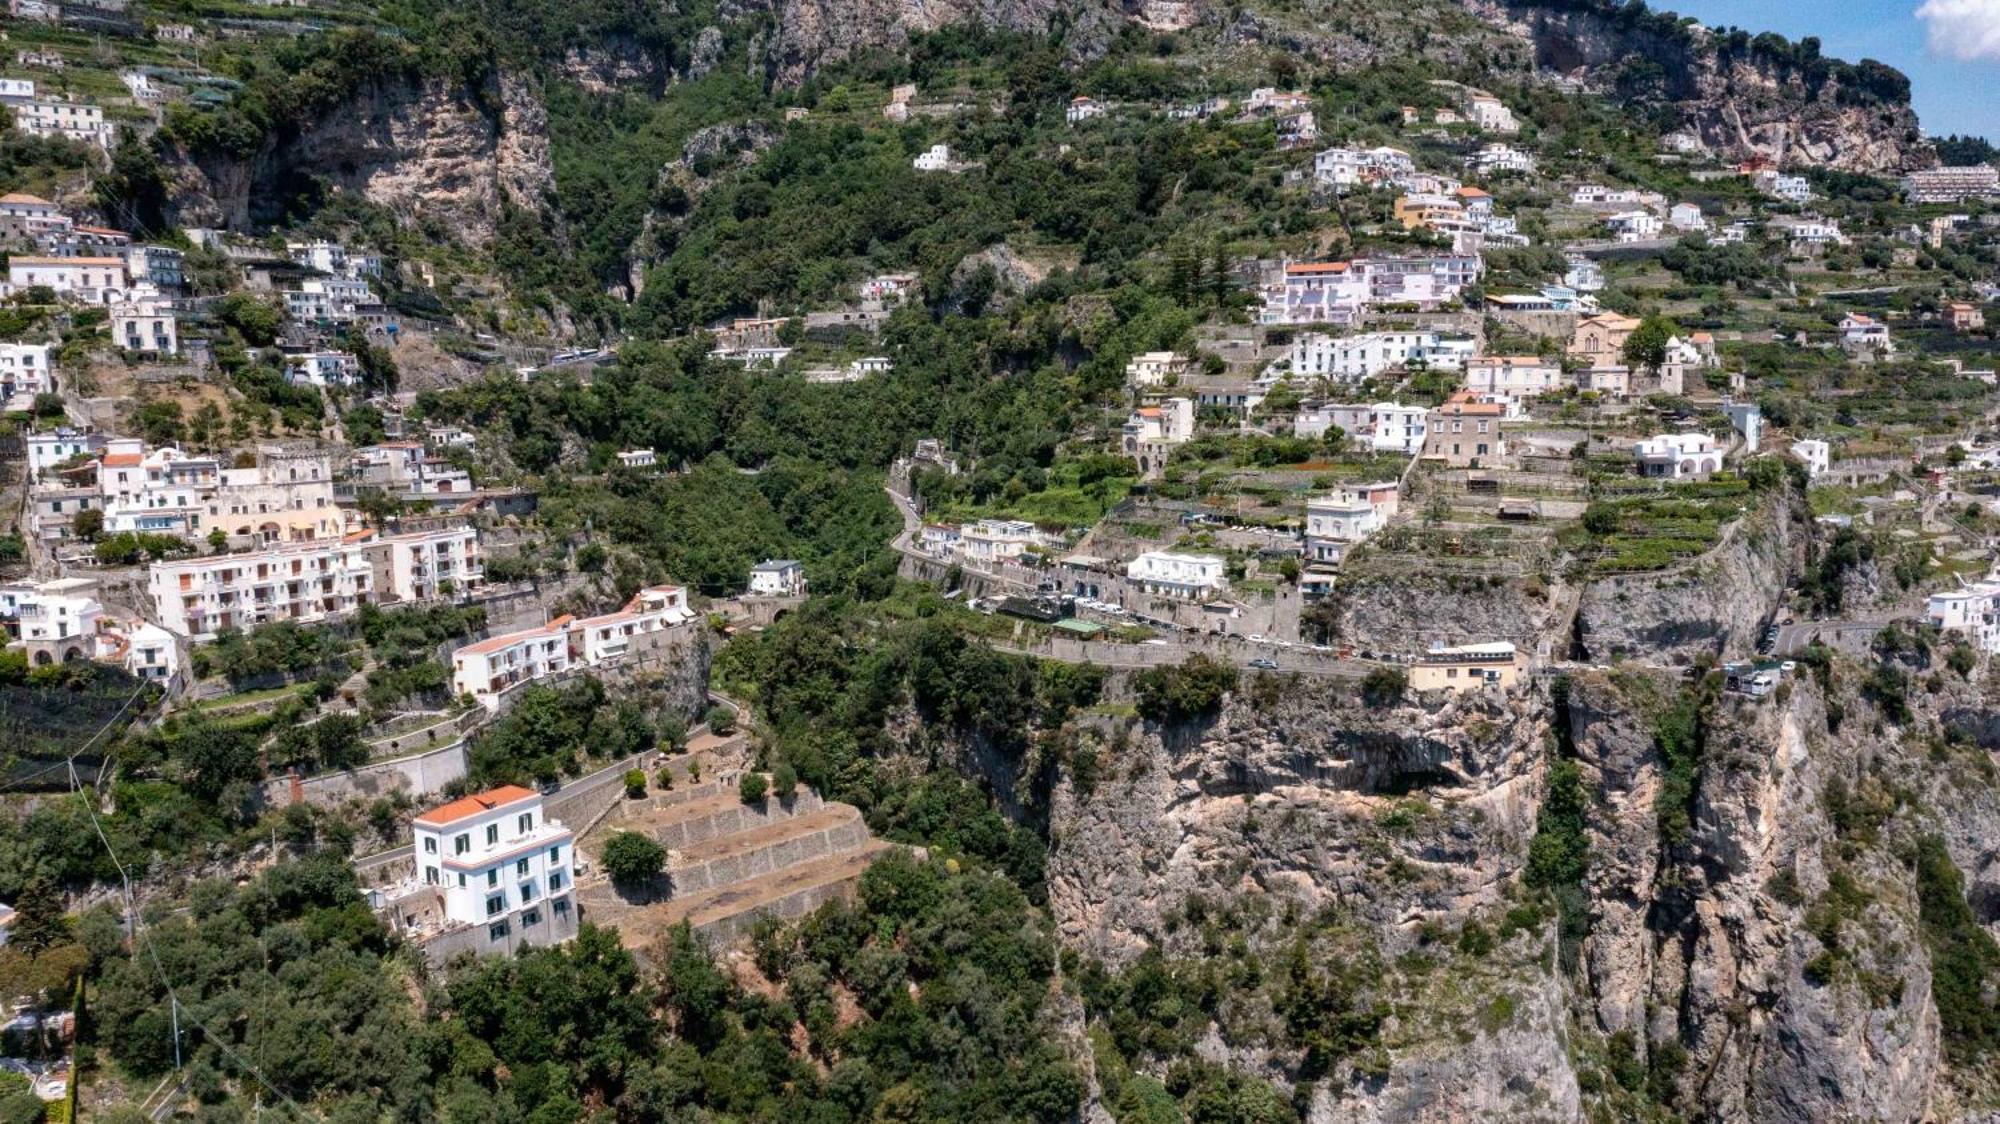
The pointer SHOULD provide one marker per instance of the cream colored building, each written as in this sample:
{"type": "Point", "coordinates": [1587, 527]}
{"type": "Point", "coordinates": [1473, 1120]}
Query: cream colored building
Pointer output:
{"type": "Point", "coordinates": [1468, 667]}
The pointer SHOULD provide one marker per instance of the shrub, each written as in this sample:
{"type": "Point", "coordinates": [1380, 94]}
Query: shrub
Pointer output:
{"type": "Point", "coordinates": [631, 859]}
{"type": "Point", "coordinates": [784, 780]}
{"type": "Point", "coordinates": [635, 783]}
{"type": "Point", "coordinates": [1176, 694]}
{"type": "Point", "coordinates": [721, 720]}
{"type": "Point", "coordinates": [1384, 686]}
{"type": "Point", "coordinates": [752, 788]}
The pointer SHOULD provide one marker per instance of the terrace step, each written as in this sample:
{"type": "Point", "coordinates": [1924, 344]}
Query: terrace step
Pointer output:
{"type": "Point", "coordinates": [716, 814]}
{"type": "Point", "coordinates": [723, 914]}
{"type": "Point", "coordinates": [760, 850]}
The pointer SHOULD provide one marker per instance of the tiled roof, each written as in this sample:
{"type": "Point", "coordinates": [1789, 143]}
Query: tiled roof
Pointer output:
{"type": "Point", "coordinates": [469, 806]}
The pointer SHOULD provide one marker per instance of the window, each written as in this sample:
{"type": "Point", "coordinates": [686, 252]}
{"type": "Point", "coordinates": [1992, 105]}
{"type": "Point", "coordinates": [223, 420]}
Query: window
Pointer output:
{"type": "Point", "coordinates": [493, 877]}
{"type": "Point", "coordinates": [497, 931]}
{"type": "Point", "coordinates": [555, 881]}
{"type": "Point", "coordinates": [495, 904]}
{"type": "Point", "coordinates": [532, 917]}
{"type": "Point", "coordinates": [430, 875]}
{"type": "Point", "coordinates": [461, 880]}
{"type": "Point", "coordinates": [555, 854]}
{"type": "Point", "coordinates": [461, 844]}
{"type": "Point", "coordinates": [527, 892]}
{"type": "Point", "coordinates": [527, 822]}
{"type": "Point", "coordinates": [430, 845]}
{"type": "Point", "coordinates": [562, 907]}
{"type": "Point", "coordinates": [492, 834]}
{"type": "Point", "coordinates": [521, 868]}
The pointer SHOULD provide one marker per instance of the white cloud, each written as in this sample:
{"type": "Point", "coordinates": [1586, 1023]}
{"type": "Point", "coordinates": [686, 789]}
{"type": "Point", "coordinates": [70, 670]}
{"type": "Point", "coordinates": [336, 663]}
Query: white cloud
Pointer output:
{"type": "Point", "coordinates": [1962, 29]}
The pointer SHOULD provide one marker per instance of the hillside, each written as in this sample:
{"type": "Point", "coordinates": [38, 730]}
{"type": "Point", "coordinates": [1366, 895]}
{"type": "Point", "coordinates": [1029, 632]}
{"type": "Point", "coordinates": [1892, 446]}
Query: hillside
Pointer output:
{"type": "Point", "coordinates": [1131, 563]}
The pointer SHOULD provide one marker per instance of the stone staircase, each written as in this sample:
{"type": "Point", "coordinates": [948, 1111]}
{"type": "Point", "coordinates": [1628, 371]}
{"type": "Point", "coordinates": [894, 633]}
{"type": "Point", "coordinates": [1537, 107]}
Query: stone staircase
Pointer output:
{"type": "Point", "coordinates": [730, 863]}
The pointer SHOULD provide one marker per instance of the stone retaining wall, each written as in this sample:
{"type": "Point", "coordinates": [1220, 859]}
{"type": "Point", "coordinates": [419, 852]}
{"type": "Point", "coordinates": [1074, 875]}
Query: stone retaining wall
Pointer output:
{"type": "Point", "coordinates": [702, 876]}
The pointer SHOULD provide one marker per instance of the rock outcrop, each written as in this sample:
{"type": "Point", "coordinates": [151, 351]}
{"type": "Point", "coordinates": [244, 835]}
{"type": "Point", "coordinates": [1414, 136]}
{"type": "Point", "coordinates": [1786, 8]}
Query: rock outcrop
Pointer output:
{"type": "Point", "coordinates": [1714, 604]}
{"type": "Point", "coordinates": [423, 148]}
{"type": "Point", "coordinates": [1739, 97]}
{"type": "Point", "coordinates": [809, 34]}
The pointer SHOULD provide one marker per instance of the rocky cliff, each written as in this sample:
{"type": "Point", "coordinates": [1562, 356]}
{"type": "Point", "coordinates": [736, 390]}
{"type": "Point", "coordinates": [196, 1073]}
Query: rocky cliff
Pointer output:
{"type": "Point", "coordinates": [1740, 97]}
{"type": "Point", "coordinates": [428, 149]}
{"type": "Point", "coordinates": [808, 34]}
{"type": "Point", "coordinates": [1713, 605]}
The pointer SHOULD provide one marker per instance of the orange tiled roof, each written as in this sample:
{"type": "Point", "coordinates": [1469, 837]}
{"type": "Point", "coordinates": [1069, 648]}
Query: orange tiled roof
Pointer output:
{"type": "Point", "coordinates": [122, 460]}
{"type": "Point", "coordinates": [469, 806]}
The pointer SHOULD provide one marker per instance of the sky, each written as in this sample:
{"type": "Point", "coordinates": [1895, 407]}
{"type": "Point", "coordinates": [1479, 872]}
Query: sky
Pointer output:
{"type": "Point", "coordinates": [1949, 48]}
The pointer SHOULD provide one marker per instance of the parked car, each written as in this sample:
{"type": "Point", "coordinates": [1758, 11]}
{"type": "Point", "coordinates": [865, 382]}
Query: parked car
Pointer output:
{"type": "Point", "coordinates": [1267, 665]}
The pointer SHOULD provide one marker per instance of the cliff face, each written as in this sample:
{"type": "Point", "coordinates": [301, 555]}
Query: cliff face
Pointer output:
{"type": "Point", "coordinates": [811, 33]}
{"type": "Point", "coordinates": [1711, 605]}
{"type": "Point", "coordinates": [428, 149]}
{"type": "Point", "coordinates": [1737, 101]}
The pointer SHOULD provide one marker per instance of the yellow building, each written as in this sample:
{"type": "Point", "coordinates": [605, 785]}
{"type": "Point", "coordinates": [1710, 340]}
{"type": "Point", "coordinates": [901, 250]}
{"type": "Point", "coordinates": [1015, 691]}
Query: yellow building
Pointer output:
{"type": "Point", "coordinates": [1468, 667]}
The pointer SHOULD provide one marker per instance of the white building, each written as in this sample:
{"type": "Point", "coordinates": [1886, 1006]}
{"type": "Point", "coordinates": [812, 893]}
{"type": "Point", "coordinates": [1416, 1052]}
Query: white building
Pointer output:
{"type": "Point", "coordinates": [1865, 335]}
{"type": "Point", "coordinates": [75, 121]}
{"type": "Point", "coordinates": [1190, 577]}
{"type": "Point", "coordinates": [1337, 292]}
{"type": "Point", "coordinates": [1352, 167]}
{"type": "Point", "coordinates": [1381, 427]}
{"type": "Point", "coordinates": [89, 280]}
{"type": "Point", "coordinates": [1350, 358]}
{"type": "Point", "coordinates": [324, 256]}
{"type": "Point", "coordinates": [322, 369]}
{"type": "Point", "coordinates": [1152, 432]}
{"type": "Point", "coordinates": [35, 216]}
{"type": "Point", "coordinates": [1157, 368]}
{"type": "Point", "coordinates": [1973, 612]}
{"type": "Point", "coordinates": [1512, 377]}
{"type": "Point", "coordinates": [1678, 456]}
{"type": "Point", "coordinates": [936, 159]}
{"type": "Point", "coordinates": [637, 458]}
{"type": "Point", "coordinates": [1496, 158]}
{"type": "Point", "coordinates": [1809, 230]}
{"type": "Point", "coordinates": [150, 652]}
{"type": "Point", "coordinates": [49, 449]}
{"type": "Point", "coordinates": [1082, 109]}
{"type": "Point", "coordinates": [1489, 113]}
{"type": "Point", "coordinates": [1793, 189]}
{"type": "Point", "coordinates": [332, 299]}
{"type": "Point", "coordinates": [1000, 540]}
{"type": "Point", "coordinates": [1634, 226]}
{"type": "Point", "coordinates": [24, 373]}
{"type": "Point", "coordinates": [496, 861]}
{"type": "Point", "coordinates": [485, 670]}
{"type": "Point", "coordinates": [778, 577]}
{"type": "Point", "coordinates": [55, 622]}
{"type": "Point", "coordinates": [1686, 216]}
{"type": "Point", "coordinates": [1817, 455]}
{"type": "Point", "coordinates": [1345, 516]}
{"type": "Point", "coordinates": [310, 581]}
{"type": "Point", "coordinates": [145, 326]}
{"type": "Point", "coordinates": [1952, 184]}
{"type": "Point", "coordinates": [1584, 275]}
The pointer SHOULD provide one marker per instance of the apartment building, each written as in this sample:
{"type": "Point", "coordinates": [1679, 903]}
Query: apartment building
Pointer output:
{"type": "Point", "coordinates": [1000, 540]}
{"type": "Point", "coordinates": [1352, 167]}
{"type": "Point", "coordinates": [487, 669]}
{"type": "Point", "coordinates": [1336, 292]}
{"type": "Point", "coordinates": [1815, 454]}
{"type": "Point", "coordinates": [48, 449]}
{"type": "Point", "coordinates": [1381, 427]}
{"type": "Point", "coordinates": [1350, 358]}
{"type": "Point", "coordinates": [31, 216]}
{"type": "Point", "coordinates": [77, 121]}
{"type": "Point", "coordinates": [1186, 577]}
{"type": "Point", "coordinates": [311, 581]}
{"type": "Point", "coordinates": [1952, 183]}
{"type": "Point", "coordinates": [1345, 516]}
{"type": "Point", "coordinates": [609, 636]}
{"type": "Point", "coordinates": [335, 300]}
{"type": "Point", "coordinates": [493, 865]}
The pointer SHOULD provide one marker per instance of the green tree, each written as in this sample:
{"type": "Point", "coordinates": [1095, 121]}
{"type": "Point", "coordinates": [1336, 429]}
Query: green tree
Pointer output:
{"type": "Point", "coordinates": [752, 787]}
{"type": "Point", "coordinates": [632, 860]}
{"type": "Point", "coordinates": [1646, 347]}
